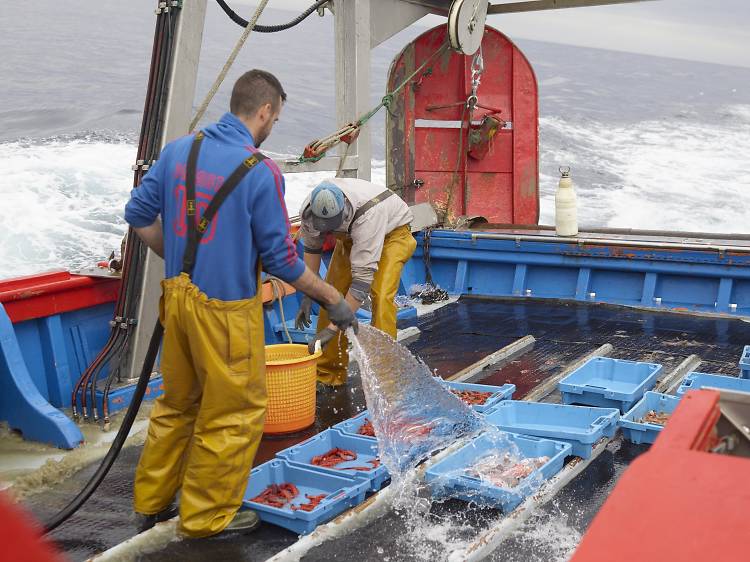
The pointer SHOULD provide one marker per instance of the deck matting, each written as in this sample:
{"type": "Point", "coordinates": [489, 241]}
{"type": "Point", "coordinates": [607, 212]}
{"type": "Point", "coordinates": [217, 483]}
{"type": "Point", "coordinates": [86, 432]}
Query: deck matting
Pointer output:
{"type": "Point", "coordinates": [452, 338]}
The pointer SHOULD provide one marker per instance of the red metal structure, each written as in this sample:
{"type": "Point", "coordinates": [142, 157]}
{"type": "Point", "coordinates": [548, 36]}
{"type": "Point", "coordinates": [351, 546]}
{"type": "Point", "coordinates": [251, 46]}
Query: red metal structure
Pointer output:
{"type": "Point", "coordinates": [54, 292]}
{"type": "Point", "coordinates": [678, 501]}
{"type": "Point", "coordinates": [489, 168]}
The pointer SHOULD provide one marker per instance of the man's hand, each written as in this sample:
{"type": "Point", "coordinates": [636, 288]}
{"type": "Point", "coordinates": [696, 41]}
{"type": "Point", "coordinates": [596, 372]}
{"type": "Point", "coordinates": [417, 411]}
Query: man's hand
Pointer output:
{"type": "Point", "coordinates": [303, 318]}
{"type": "Point", "coordinates": [326, 295]}
{"type": "Point", "coordinates": [341, 315]}
{"type": "Point", "coordinates": [324, 337]}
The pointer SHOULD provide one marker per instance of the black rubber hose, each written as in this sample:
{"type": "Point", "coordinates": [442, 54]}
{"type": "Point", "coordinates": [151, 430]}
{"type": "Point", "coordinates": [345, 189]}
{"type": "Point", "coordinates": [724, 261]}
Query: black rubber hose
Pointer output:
{"type": "Point", "coordinates": [122, 434]}
{"type": "Point", "coordinates": [236, 18]}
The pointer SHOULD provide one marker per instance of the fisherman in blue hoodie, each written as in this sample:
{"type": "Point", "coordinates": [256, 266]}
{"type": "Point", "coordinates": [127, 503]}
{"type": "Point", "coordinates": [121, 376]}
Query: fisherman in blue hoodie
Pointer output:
{"type": "Point", "coordinates": [213, 207]}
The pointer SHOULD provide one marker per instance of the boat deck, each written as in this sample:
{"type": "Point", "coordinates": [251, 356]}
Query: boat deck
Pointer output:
{"type": "Point", "coordinates": [451, 338]}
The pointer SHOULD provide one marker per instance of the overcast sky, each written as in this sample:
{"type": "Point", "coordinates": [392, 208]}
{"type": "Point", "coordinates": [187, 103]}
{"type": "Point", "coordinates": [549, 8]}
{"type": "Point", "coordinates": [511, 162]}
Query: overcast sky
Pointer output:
{"type": "Point", "coordinates": [703, 30]}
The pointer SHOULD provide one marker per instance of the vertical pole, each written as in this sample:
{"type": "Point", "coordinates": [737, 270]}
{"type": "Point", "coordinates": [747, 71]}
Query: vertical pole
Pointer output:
{"type": "Point", "coordinates": [352, 39]}
{"type": "Point", "coordinates": [179, 109]}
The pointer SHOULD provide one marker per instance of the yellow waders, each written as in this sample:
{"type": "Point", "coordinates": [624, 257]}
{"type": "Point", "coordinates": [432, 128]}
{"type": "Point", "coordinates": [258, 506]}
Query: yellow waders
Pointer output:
{"type": "Point", "coordinates": [206, 427]}
{"type": "Point", "coordinates": [398, 247]}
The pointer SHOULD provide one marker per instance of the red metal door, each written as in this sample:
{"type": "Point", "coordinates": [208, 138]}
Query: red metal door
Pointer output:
{"type": "Point", "coordinates": [428, 132]}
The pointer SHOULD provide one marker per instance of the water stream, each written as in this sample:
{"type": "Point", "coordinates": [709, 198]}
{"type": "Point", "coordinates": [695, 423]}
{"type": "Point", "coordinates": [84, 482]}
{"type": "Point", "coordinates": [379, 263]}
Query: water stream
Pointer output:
{"type": "Point", "coordinates": [414, 417]}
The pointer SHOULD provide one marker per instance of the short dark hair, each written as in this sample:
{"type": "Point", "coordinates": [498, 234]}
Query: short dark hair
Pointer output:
{"type": "Point", "coordinates": [254, 89]}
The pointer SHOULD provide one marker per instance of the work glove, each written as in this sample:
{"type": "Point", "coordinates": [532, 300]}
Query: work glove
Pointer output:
{"type": "Point", "coordinates": [324, 337]}
{"type": "Point", "coordinates": [302, 320]}
{"type": "Point", "coordinates": [342, 316]}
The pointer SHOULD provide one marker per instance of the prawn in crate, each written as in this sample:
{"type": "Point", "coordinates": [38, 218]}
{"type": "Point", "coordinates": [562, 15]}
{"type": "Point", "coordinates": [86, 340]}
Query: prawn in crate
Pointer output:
{"type": "Point", "coordinates": [481, 397]}
{"type": "Point", "coordinates": [487, 472]}
{"type": "Point", "coordinates": [334, 452]}
{"type": "Point", "coordinates": [298, 498]}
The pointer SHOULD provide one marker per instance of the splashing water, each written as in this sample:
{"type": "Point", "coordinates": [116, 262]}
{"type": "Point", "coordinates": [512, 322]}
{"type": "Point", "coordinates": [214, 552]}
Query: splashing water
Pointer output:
{"type": "Point", "coordinates": [414, 416]}
{"type": "Point", "coordinates": [412, 413]}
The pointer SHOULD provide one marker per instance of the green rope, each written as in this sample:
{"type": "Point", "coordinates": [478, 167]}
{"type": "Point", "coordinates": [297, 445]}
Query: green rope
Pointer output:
{"type": "Point", "coordinates": [388, 98]}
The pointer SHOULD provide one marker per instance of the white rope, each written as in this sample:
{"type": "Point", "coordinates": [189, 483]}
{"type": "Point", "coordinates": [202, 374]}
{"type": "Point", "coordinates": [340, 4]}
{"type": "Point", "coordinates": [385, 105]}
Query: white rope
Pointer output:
{"type": "Point", "coordinates": [228, 65]}
{"type": "Point", "coordinates": [279, 292]}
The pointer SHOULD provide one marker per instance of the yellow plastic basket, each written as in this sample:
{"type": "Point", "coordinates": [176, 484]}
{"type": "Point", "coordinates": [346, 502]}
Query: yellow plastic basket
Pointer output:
{"type": "Point", "coordinates": [290, 379]}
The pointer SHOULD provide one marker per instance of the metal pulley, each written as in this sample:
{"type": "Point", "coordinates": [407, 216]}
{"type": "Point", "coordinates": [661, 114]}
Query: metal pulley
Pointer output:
{"type": "Point", "coordinates": [466, 25]}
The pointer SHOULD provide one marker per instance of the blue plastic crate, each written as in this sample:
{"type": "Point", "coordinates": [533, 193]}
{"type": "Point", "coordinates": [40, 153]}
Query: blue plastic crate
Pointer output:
{"type": "Point", "coordinates": [446, 479]}
{"type": "Point", "coordinates": [745, 363]}
{"type": "Point", "coordinates": [343, 493]}
{"type": "Point", "coordinates": [695, 381]}
{"type": "Point", "coordinates": [499, 393]}
{"type": "Point", "coordinates": [640, 432]}
{"type": "Point", "coordinates": [365, 448]}
{"type": "Point", "coordinates": [352, 425]}
{"type": "Point", "coordinates": [581, 426]}
{"type": "Point", "coordinates": [609, 383]}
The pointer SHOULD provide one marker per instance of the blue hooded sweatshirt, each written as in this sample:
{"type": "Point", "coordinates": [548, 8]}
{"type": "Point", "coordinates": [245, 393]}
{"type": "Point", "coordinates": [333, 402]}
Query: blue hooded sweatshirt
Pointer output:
{"type": "Point", "coordinates": [252, 222]}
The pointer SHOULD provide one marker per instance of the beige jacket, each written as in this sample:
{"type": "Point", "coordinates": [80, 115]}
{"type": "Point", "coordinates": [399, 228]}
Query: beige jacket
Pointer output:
{"type": "Point", "coordinates": [368, 232]}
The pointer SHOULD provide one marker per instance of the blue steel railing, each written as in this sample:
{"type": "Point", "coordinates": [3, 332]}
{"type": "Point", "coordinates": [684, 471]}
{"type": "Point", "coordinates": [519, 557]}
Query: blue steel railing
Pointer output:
{"type": "Point", "coordinates": [638, 273]}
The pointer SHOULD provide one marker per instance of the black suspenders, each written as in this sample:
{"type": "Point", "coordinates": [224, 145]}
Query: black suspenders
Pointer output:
{"type": "Point", "coordinates": [195, 232]}
{"type": "Point", "coordinates": [369, 205]}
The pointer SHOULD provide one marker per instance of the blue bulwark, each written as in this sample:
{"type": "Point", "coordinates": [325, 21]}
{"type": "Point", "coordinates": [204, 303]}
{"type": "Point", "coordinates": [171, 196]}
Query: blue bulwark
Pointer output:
{"type": "Point", "coordinates": [694, 280]}
{"type": "Point", "coordinates": [41, 359]}
{"type": "Point", "coordinates": [22, 406]}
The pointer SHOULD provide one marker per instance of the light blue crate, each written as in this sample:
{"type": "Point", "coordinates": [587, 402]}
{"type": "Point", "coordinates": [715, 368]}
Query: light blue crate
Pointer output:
{"type": "Point", "coordinates": [609, 383]}
{"type": "Point", "coordinates": [694, 381]}
{"type": "Point", "coordinates": [342, 493]}
{"type": "Point", "coordinates": [745, 363]}
{"type": "Point", "coordinates": [581, 426]}
{"type": "Point", "coordinates": [499, 393]}
{"type": "Point", "coordinates": [446, 478]}
{"type": "Point", "coordinates": [639, 432]}
{"type": "Point", "coordinates": [365, 448]}
{"type": "Point", "coordinates": [352, 425]}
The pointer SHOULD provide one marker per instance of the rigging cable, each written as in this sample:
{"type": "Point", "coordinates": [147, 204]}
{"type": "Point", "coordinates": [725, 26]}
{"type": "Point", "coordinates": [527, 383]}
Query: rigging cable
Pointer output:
{"type": "Point", "coordinates": [227, 65]}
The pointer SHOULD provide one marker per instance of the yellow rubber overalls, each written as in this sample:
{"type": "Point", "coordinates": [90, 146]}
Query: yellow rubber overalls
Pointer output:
{"type": "Point", "coordinates": [398, 247]}
{"type": "Point", "coordinates": [206, 427]}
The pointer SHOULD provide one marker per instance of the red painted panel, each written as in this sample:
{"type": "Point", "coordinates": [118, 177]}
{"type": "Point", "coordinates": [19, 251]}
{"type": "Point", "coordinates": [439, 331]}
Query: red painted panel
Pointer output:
{"type": "Point", "coordinates": [438, 151]}
{"type": "Point", "coordinates": [435, 188]}
{"type": "Point", "coordinates": [526, 141]}
{"type": "Point", "coordinates": [500, 157]}
{"type": "Point", "coordinates": [682, 502]}
{"type": "Point", "coordinates": [676, 505]}
{"type": "Point", "coordinates": [55, 292]}
{"type": "Point", "coordinates": [428, 155]}
{"type": "Point", "coordinates": [21, 536]}
{"type": "Point", "coordinates": [491, 194]}
{"type": "Point", "coordinates": [693, 424]}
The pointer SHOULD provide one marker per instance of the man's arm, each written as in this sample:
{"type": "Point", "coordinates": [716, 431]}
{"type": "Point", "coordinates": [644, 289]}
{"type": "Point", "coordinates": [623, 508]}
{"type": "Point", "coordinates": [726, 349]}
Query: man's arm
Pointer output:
{"type": "Point", "coordinates": [143, 209]}
{"type": "Point", "coordinates": [317, 289]}
{"type": "Point", "coordinates": [153, 237]}
{"type": "Point", "coordinates": [313, 262]}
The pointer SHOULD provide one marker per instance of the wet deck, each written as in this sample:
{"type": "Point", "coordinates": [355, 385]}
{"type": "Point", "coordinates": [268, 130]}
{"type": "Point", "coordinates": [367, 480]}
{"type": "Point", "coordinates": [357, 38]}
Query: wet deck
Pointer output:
{"type": "Point", "coordinates": [452, 338]}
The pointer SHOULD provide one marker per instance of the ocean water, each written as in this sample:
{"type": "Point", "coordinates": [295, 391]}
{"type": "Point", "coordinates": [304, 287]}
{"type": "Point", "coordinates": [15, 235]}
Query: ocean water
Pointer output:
{"type": "Point", "coordinates": [652, 142]}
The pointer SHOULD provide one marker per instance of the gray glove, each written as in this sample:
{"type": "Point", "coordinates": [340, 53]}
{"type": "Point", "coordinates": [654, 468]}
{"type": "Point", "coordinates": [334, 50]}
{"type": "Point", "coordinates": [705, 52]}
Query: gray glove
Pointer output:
{"type": "Point", "coordinates": [302, 320]}
{"type": "Point", "coordinates": [324, 337]}
{"type": "Point", "coordinates": [342, 316]}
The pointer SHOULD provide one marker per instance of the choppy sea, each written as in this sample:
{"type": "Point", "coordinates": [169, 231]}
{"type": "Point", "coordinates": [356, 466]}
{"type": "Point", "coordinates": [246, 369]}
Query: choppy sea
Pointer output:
{"type": "Point", "coordinates": [653, 143]}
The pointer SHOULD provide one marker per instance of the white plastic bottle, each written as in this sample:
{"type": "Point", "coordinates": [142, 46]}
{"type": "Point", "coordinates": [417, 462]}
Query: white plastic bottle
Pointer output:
{"type": "Point", "coordinates": [566, 211]}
